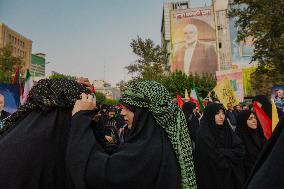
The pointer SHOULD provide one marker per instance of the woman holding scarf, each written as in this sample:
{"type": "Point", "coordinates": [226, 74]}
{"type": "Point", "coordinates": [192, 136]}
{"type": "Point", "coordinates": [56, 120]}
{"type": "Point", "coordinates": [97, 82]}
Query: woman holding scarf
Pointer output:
{"type": "Point", "coordinates": [34, 139]}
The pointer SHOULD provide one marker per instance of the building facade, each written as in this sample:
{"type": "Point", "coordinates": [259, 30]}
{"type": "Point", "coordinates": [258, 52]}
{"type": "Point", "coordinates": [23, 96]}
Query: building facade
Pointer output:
{"type": "Point", "coordinates": [213, 27]}
{"type": "Point", "coordinates": [37, 68]}
{"type": "Point", "coordinates": [22, 46]}
{"type": "Point", "coordinates": [105, 88]}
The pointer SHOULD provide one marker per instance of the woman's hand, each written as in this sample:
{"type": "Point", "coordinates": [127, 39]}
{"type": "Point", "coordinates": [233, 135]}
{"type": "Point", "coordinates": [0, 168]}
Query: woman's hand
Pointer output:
{"type": "Point", "coordinates": [85, 103]}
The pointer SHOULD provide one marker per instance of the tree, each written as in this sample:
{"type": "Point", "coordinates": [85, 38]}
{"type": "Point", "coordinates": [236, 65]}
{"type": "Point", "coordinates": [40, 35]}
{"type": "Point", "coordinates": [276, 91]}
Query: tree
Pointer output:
{"type": "Point", "coordinates": [110, 102]}
{"type": "Point", "coordinates": [263, 21]}
{"type": "Point", "coordinates": [151, 62]}
{"type": "Point", "coordinates": [121, 84]}
{"type": "Point", "coordinates": [100, 97]}
{"type": "Point", "coordinates": [8, 63]}
{"type": "Point", "coordinates": [177, 82]}
{"type": "Point", "coordinates": [56, 75]}
{"type": "Point", "coordinates": [151, 65]}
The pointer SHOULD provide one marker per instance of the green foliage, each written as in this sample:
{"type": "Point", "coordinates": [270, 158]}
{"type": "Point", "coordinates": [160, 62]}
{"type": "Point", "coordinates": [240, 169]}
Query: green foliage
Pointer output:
{"type": "Point", "coordinates": [100, 97]}
{"type": "Point", "coordinates": [263, 21]}
{"type": "Point", "coordinates": [177, 82]}
{"type": "Point", "coordinates": [151, 65]}
{"type": "Point", "coordinates": [8, 63]}
{"type": "Point", "coordinates": [151, 62]}
{"type": "Point", "coordinates": [110, 102]}
{"type": "Point", "coordinates": [56, 75]}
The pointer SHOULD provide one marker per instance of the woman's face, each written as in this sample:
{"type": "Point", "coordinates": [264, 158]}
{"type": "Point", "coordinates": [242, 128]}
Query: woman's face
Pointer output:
{"type": "Point", "coordinates": [252, 122]}
{"type": "Point", "coordinates": [220, 117]}
{"type": "Point", "coordinates": [127, 116]}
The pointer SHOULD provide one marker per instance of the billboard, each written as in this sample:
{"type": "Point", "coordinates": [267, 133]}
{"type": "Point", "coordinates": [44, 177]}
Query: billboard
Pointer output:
{"type": "Point", "coordinates": [236, 81]}
{"type": "Point", "coordinates": [11, 95]}
{"type": "Point", "coordinates": [193, 41]}
{"type": "Point", "coordinates": [241, 51]}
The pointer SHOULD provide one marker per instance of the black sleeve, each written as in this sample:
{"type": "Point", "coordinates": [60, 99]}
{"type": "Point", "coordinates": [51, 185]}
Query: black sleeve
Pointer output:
{"type": "Point", "coordinates": [87, 162]}
{"type": "Point", "coordinates": [80, 143]}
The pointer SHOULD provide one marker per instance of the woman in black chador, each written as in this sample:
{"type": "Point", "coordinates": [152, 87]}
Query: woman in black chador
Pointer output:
{"type": "Point", "coordinates": [192, 121]}
{"type": "Point", "coordinates": [156, 153]}
{"type": "Point", "coordinates": [219, 152]}
{"type": "Point", "coordinates": [34, 139]}
{"type": "Point", "coordinates": [268, 170]}
{"type": "Point", "coordinates": [250, 132]}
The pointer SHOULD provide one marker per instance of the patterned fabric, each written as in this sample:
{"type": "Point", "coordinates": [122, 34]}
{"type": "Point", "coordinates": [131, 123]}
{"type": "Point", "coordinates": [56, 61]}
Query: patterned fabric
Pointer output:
{"type": "Point", "coordinates": [46, 95]}
{"type": "Point", "coordinates": [156, 98]}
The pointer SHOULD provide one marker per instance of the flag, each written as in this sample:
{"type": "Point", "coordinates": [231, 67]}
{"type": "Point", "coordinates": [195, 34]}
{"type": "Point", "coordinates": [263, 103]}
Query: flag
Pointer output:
{"type": "Point", "coordinates": [179, 101]}
{"type": "Point", "coordinates": [186, 95]}
{"type": "Point", "coordinates": [264, 120]}
{"type": "Point", "coordinates": [17, 81]}
{"type": "Point", "coordinates": [16, 77]}
{"type": "Point", "coordinates": [195, 98]}
{"type": "Point", "coordinates": [93, 89]}
{"type": "Point", "coordinates": [275, 118]}
{"type": "Point", "coordinates": [225, 93]}
{"type": "Point", "coordinates": [28, 86]}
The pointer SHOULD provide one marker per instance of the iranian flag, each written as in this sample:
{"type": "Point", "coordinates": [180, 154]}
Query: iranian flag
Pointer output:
{"type": "Point", "coordinates": [195, 98]}
{"type": "Point", "coordinates": [28, 85]}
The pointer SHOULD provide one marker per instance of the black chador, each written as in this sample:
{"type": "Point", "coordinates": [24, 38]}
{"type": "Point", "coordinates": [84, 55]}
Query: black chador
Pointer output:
{"type": "Point", "coordinates": [268, 170]}
{"type": "Point", "coordinates": [218, 153]}
{"type": "Point", "coordinates": [253, 140]}
{"type": "Point", "coordinates": [34, 139]}
{"type": "Point", "coordinates": [145, 160]}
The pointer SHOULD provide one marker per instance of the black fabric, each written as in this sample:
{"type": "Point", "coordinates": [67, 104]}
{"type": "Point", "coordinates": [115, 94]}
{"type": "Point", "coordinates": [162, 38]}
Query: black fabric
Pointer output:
{"type": "Point", "coordinates": [218, 153]}
{"type": "Point", "coordinates": [253, 140]}
{"type": "Point", "coordinates": [191, 120]}
{"type": "Point", "coordinates": [46, 95]}
{"type": "Point", "coordinates": [232, 117]}
{"type": "Point", "coordinates": [106, 127]}
{"type": "Point", "coordinates": [4, 115]}
{"type": "Point", "coordinates": [33, 153]}
{"type": "Point", "coordinates": [145, 160]}
{"type": "Point", "coordinates": [268, 170]}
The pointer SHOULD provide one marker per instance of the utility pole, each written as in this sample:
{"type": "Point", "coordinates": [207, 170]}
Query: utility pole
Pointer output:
{"type": "Point", "coordinates": [104, 69]}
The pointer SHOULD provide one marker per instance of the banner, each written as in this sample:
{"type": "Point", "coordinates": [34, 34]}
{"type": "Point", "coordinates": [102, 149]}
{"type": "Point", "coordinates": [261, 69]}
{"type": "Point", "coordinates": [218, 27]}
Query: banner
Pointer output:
{"type": "Point", "coordinates": [11, 95]}
{"type": "Point", "coordinates": [277, 95]}
{"type": "Point", "coordinates": [247, 80]}
{"type": "Point", "coordinates": [225, 93]}
{"type": "Point", "coordinates": [236, 80]}
{"type": "Point", "coordinates": [193, 41]}
{"type": "Point", "coordinates": [241, 51]}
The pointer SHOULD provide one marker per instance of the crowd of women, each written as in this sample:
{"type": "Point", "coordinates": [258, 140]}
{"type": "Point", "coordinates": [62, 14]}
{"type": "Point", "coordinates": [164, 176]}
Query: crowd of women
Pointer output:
{"type": "Point", "coordinates": [61, 138]}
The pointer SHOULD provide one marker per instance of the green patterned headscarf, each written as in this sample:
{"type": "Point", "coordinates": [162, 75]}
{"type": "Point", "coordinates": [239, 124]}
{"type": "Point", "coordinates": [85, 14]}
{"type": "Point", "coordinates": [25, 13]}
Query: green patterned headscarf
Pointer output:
{"type": "Point", "coordinates": [46, 95]}
{"type": "Point", "coordinates": [156, 98]}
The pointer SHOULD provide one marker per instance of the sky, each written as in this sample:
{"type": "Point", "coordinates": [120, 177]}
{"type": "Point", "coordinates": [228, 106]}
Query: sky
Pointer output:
{"type": "Point", "coordinates": [88, 38]}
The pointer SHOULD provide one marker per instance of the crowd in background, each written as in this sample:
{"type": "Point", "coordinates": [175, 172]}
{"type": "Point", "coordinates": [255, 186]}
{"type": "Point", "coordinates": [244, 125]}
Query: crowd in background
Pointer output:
{"type": "Point", "coordinates": [106, 146]}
